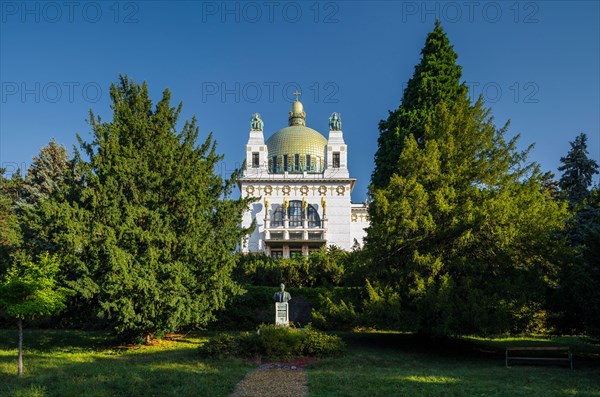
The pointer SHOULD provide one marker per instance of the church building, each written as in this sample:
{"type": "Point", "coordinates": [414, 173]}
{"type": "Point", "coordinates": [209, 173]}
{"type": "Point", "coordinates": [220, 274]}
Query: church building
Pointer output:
{"type": "Point", "coordinates": [304, 186]}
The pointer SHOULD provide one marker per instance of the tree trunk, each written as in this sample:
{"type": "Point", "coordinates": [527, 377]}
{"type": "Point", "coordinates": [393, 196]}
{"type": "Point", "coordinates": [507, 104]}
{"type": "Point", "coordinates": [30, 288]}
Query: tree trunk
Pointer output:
{"type": "Point", "coordinates": [20, 347]}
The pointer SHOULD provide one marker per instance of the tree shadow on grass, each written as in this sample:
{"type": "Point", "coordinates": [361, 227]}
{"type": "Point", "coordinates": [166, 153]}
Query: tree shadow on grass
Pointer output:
{"type": "Point", "coordinates": [156, 373]}
{"type": "Point", "coordinates": [391, 364]}
{"type": "Point", "coordinates": [458, 348]}
{"type": "Point", "coordinates": [49, 339]}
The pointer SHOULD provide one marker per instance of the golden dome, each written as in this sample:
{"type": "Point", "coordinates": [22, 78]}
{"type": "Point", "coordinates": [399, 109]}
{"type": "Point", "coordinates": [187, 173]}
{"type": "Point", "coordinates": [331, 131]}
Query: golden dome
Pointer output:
{"type": "Point", "coordinates": [300, 140]}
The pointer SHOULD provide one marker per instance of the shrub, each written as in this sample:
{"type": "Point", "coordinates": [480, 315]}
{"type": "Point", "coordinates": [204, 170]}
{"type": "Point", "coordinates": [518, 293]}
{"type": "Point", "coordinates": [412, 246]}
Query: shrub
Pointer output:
{"type": "Point", "coordinates": [320, 344]}
{"type": "Point", "coordinates": [281, 342]}
{"type": "Point", "coordinates": [221, 345]}
{"type": "Point", "coordinates": [339, 315]}
{"type": "Point", "coordinates": [274, 342]}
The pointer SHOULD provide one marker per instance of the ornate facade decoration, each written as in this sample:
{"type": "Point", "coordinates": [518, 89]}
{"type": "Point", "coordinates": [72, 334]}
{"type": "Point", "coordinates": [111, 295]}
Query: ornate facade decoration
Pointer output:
{"type": "Point", "coordinates": [305, 186]}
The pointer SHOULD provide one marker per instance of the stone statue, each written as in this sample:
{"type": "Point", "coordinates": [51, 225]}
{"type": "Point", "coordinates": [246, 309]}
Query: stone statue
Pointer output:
{"type": "Point", "coordinates": [335, 122]}
{"type": "Point", "coordinates": [305, 206]}
{"type": "Point", "coordinates": [282, 295]}
{"type": "Point", "coordinates": [324, 205]}
{"type": "Point", "coordinates": [256, 124]}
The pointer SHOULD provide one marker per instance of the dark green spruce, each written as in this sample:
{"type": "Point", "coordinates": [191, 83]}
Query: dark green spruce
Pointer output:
{"type": "Point", "coordinates": [162, 227]}
{"type": "Point", "coordinates": [462, 234]}
{"type": "Point", "coordinates": [578, 170]}
{"type": "Point", "coordinates": [436, 78]}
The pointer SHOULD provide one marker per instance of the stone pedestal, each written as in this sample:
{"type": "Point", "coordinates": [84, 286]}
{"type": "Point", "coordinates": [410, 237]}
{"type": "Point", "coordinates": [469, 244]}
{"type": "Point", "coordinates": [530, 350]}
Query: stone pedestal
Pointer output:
{"type": "Point", "coordinates": [282, 314]}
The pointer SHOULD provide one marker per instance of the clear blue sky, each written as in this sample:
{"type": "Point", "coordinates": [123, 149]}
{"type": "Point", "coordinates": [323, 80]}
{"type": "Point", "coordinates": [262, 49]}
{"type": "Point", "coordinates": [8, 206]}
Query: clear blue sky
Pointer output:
{"type": "Point", "coordinates": [537, 63]}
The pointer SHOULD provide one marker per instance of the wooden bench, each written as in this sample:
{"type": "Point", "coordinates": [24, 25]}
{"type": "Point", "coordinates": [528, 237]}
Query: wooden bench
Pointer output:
{"type": "Point", "coordinates": [559, 350]}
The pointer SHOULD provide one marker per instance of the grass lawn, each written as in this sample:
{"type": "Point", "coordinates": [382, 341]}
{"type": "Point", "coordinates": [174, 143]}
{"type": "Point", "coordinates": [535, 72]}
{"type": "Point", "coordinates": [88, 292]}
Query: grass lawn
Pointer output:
{"type": "Point", "coordinates": [387, 364]}
{"type": "Point", "coordinates": [72, 363]}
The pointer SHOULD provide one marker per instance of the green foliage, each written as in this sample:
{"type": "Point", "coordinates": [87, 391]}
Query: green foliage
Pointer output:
{"type": "Point", "coordinates": [321, 344]}
{"type": "Point", "coordinates": [223, 345]}
{"type": "Point", "coordinates": [274, 342]}
{"type": "Point", "coordinates": [338, 315]}
{"type": "Point", "coordinates": [463, 232]}
{"type": "Point", "coordinates": [382, 309]}
{"type": "Point", "coordinates": [436, 79]}
{"type": "Point", "coordinates": [324, 267]}
{"type": "Point", "coordinates": [280, 342]}
{"type": "Point", "coordinates": [143, 225]}
{"type": "Point", "coordinates": [10, 233]}
{"type": "Point", "coordinates": [162, 227]}
{"type": "Point", "coordinates": [255, 306]}
{"type": "Point", "coordinates": [29, 289]}
{"type": "Point", "coordinates": [576, 302]}
{"type": "Point", "coordinates": [578, 170]}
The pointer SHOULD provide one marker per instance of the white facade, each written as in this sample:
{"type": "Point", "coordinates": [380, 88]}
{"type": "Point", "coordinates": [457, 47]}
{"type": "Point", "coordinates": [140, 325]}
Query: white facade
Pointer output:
{"type": "Point", "coordinates": [303, 185]}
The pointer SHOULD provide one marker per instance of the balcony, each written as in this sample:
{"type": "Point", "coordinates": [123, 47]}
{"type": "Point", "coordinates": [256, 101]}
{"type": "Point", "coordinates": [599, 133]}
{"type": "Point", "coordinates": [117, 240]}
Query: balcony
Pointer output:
{"type": "Point", "coordinates": [312, 235]}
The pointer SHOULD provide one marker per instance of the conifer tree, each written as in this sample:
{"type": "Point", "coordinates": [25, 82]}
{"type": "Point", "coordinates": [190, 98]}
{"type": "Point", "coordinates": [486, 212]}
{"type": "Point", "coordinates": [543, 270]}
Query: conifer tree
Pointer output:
{"type": "Point", "coordinates": [162, 226]}
{"type": "Point", "coordinates": [436, 78]}
{"type": "Point", "coordinates": [577, 300]}
{"type": "Point", "coordinates": [578, 170]}
{"type": "Point", "coordinates": [463, 229]}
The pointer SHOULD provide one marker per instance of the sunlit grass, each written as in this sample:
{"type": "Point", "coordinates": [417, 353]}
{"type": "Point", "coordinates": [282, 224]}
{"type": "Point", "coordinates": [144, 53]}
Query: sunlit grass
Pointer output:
{"type": "Point", "coordinates": [69, 363]}
{"type": "Point", "coordinates": [428, 379]}
{"type": "Point", "coordinates": [65, 363]}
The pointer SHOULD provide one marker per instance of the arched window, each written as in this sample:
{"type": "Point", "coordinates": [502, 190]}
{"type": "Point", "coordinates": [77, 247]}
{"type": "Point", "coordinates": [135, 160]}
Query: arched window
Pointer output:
{"type": "Point", "coordinates": [277, 218]}
{"type": "Point", "coordinates": [296, 215]}
{"type": "Point", "coordinates": [313, 217]}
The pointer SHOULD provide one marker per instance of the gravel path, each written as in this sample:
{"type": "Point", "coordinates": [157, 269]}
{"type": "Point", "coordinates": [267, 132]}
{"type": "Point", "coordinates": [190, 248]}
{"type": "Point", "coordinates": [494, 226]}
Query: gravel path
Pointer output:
{"type": "Point", "coordinates": [273, 380]}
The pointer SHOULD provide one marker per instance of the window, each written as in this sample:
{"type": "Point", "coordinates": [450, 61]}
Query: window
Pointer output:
{"type": "Point", "coordinates": [295, 253]}
{"type": "Point", "coordinates": [313, 217]}
{"type": "Point", "coordinates": [296, 236]}
{"type": "Point", "coordinates": [296, 216]}
{"type": "Point", "coordinates": [255, 160]}
{"type": "Point", "coordinates": [285, 163]}
{"type": "Point", "coordinates": [296, 162]}
{"type": "Point", "coordinates": [336, 159]}
{"type": "Point", "coordinates": [308, 162]}
{"type": "Point", "coordinates": [276, 254]}
{"type": "Point", "coordinates": [274, 164]}
{"type": "Point", "coordinates": [295, 213]}
{"type": "Point", "coordinates": [277, 220]}
{"type": "Point", "coordinates": [277, 236]}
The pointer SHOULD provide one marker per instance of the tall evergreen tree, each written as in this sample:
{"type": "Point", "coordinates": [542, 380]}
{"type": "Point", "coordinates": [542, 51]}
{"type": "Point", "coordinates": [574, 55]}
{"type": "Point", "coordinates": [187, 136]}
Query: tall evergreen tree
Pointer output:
{"type": "Point", "coordinates": [162, 227]}
{"type": "Point", "coordinates": [577, 300]}
{"type": "Point", "coordinates": [436, 78]}
{"type": "Point", "coordinates": [463, 230]}
{"type": "Point", "coordinates": [578, 170]}
{"type": "Point", "coordinates": [48, 172]}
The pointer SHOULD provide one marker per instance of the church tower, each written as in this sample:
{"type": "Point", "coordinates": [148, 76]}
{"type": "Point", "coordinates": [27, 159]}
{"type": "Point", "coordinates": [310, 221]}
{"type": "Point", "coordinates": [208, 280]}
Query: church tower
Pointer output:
{"type": "Point", "coordinates": [304, 187]}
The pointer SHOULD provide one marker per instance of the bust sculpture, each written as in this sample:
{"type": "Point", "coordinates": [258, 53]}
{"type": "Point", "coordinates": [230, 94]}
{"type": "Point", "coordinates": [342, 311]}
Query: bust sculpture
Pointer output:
{"type": "Point", "coordinates": [282, 295]}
